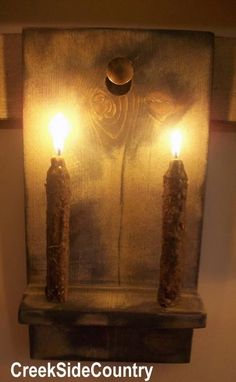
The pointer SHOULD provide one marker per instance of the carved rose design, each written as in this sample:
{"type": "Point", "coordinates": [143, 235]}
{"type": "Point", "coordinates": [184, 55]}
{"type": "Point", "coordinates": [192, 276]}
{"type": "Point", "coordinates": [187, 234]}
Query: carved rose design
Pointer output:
{"type": "Point", "coordinates": [160, 105]}
{"type": "Point", "coordinates": [103, 105]}
{"type": "Point", "coordinates": [108, 113]}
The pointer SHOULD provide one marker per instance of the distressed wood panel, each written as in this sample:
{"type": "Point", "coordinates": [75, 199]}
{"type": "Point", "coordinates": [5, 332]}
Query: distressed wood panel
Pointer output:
{"type": "Point", "coordinates": [223, 91]}
{"type": "Point", "coordinates": [118, 150]}
{"type": "Point", "coordinates": [117, 306]}
{"type": "Point", "coordinates": [127, 344]}
{"type": "Point", "coordinates": [111, 323]}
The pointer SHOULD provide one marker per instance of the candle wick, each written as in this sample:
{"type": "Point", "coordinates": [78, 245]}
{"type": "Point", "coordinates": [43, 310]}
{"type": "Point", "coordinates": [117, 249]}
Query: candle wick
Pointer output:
{"type": "Point", "coordinates": [59, 152]}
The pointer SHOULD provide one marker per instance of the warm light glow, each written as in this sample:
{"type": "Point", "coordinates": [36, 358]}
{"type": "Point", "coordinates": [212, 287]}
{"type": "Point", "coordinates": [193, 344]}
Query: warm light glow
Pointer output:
{"type": "Point", "coordinates": [176, 140]}
{"type": "Point", "coordinates": [59, 127]}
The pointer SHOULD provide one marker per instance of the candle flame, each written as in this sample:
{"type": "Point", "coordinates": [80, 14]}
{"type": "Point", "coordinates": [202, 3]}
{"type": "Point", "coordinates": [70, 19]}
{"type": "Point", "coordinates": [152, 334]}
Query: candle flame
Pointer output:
{"type": "Point", "coordinates": [176, 140]}
{"type": "Point", "coordinates": [59, 127]}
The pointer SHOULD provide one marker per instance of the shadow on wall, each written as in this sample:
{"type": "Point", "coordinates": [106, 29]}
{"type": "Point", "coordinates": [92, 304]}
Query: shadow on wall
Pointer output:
{"type": "Point", "coordinates": [12, 245]}
{"type": "Point", "coordinates": [219, 229]}
{"type": "Point", "coordinates": [223, 79]}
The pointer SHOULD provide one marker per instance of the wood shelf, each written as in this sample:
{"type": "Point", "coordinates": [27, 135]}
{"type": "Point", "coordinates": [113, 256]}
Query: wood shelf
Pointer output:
{"type": "Point", "coordinates": [117, 306]}
{"type": "Point", "coordinates": [118, 323]}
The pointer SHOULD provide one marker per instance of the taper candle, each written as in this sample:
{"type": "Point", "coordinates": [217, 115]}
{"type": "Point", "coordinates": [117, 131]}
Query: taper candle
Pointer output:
{"type": "Point", "coordinates": [173, 227]}
{"type": "Point", "coordinates": [57, 214]}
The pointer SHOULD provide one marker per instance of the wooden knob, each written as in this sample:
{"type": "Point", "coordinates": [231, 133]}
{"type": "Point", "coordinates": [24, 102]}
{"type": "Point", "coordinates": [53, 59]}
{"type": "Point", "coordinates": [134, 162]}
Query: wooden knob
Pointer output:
{"type": "Point", "coordinates": [120, 70]}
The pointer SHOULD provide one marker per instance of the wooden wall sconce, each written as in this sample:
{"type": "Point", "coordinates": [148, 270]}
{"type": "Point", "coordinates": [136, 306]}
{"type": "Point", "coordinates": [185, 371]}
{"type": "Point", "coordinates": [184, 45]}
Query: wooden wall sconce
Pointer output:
{"type": "Point", "coordinates": [115, 235]}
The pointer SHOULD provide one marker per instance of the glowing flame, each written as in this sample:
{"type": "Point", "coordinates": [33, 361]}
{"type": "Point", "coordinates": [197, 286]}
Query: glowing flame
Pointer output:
{"type": "Point", "coordinates": [176, 141]}
{"type": "Point", "coordinates": [59, 127]}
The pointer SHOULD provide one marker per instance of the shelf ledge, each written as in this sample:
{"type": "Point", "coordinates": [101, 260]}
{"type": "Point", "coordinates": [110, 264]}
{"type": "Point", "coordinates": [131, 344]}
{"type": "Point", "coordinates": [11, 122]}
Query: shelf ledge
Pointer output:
{"type": "Point", "coordinates": [111, 324]}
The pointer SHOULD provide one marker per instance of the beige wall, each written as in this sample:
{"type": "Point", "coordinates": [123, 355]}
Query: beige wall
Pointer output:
{"type": "Point", "coordinates": [214, 348]}
{"type": "Point", "coordinates": [215, 15]}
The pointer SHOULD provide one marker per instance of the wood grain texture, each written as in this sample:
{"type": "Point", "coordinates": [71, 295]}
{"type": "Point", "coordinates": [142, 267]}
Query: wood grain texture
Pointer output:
{"type": "Point", "coordinates": [115, 324]}
{"type": "Point", "coordinates": [118, 162]}
{"type": "Point", "coordinates": [124, 344]}
{"type": "Point", "coordinates": [103, 306]}
{"type": "Point", "coordinates": [215, 125]}
{"type": "Point", "coordinates": [223, 91]}
{"type": "Point", "coordinates": [117, 154]}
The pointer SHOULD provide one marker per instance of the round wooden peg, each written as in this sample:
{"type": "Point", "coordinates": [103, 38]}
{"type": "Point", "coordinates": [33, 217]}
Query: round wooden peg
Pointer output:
{"type": "Point", "coordinates": [120, 70]}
